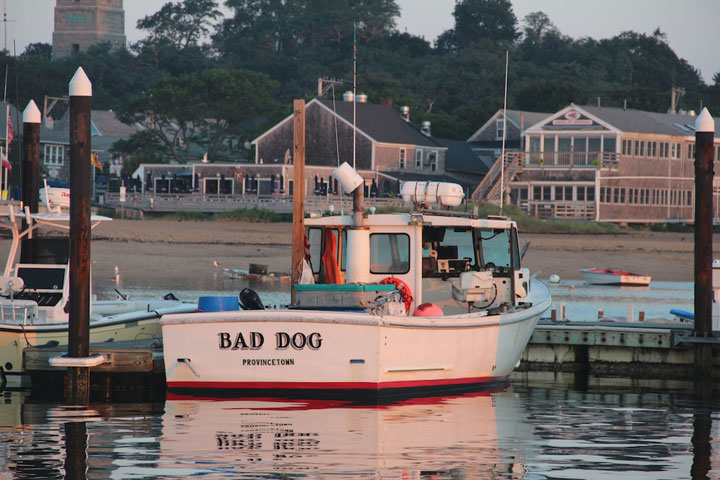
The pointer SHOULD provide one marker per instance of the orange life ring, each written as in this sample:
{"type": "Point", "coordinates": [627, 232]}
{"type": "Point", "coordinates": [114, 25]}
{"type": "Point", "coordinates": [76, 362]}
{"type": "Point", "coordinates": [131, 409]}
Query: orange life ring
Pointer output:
{"type": "Point", "coordinates": [401, 287]}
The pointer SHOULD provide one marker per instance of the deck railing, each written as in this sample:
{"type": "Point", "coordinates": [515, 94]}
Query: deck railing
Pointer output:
{"type": "Point", "coordinates": [213, 203]}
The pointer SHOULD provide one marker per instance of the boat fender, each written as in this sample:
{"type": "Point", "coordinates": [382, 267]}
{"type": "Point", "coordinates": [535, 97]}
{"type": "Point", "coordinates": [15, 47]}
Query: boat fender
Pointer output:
{"type": "Point", "coordinates": [402, 287]}
{"type": "Point", "coordinates": [428, 310]}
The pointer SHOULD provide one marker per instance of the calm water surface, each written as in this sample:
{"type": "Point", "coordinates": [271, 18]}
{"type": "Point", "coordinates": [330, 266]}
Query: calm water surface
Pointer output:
{"type": "Point", "coordinates": [528, 430]}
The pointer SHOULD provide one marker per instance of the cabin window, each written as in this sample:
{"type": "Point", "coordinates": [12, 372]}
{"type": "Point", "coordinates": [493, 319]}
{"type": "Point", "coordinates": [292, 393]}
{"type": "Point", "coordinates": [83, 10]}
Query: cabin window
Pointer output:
{"type": "Point", "coordinates": [495, 247]}
{"type": "Point", "coordinates": [402, 158]}
{"type": "Point", "coordinates": [389, 253]}
{"type": "Point", "coordinates": [315, 239]}
{"type": "Point", "coordinates": [418, 159]}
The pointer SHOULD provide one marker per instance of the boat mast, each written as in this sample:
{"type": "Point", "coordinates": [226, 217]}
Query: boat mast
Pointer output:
{"type": "Point", "coordinates": [354, 91]}
{"type": "Point", "coordinates": [502, 152]}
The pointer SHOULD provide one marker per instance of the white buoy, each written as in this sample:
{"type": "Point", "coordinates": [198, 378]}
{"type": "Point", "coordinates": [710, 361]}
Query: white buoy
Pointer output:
{"type": "Point", "coordinates": [554, 278]}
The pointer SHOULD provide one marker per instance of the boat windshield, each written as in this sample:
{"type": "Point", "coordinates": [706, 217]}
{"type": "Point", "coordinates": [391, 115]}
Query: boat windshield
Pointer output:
{"type": "Point", "coordinates": [496, 246]}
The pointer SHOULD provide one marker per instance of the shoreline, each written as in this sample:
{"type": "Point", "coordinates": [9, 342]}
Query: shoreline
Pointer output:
{"type": "Point", "coordinates": [150, 252]}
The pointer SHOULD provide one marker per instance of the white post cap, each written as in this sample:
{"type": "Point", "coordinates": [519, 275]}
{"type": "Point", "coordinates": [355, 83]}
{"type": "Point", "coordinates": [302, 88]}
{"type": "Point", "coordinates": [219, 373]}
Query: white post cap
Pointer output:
{"type": "Point", "coordinates": [80, 85]}
{"type": "Point", "coordinates": [705, 122]}
{"type": "Point", "coordinates": [31, 114]}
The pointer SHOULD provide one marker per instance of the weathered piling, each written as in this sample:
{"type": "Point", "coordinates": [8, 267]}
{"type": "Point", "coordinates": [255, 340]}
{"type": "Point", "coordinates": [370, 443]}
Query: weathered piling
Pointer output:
{"type": "Point", "coordinates": [78, 383]}
{"type": "Point", "coordinates": [30, 173]}
{"type": "Point", "coordinates": [704, 137]}
{"type": "Point", "coordinates": [298, 250]}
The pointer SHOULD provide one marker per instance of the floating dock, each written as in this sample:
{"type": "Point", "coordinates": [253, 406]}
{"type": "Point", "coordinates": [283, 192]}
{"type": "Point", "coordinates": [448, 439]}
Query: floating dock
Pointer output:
{"type": "Point", "coordinates": [632, 349]}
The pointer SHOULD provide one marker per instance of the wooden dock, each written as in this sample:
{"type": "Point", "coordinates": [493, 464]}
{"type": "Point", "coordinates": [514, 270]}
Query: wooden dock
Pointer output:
{"type": "Point", "coordinates": [133, 369]}
{"type": "Point", "coordinates": [634, 349]}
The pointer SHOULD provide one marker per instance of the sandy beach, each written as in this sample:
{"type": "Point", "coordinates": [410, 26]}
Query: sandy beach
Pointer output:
{"type": "Point", "coordinates": [158, 248]}
{"type": "Point", "coordinates": [181, 254]}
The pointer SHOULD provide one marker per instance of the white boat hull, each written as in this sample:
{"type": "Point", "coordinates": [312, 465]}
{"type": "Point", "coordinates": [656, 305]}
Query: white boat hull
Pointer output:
{"type": "Point", "coordinates": [330, 353]}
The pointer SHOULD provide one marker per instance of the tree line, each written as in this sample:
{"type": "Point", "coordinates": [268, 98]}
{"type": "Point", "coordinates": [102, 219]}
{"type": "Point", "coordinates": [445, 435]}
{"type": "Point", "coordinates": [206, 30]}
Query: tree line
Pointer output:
{"type": "Point", "coordinates": [198, 78]}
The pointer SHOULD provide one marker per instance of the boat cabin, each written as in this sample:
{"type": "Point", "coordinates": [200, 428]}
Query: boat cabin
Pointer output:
{"type": "Point", "coordinates": [459, 263]}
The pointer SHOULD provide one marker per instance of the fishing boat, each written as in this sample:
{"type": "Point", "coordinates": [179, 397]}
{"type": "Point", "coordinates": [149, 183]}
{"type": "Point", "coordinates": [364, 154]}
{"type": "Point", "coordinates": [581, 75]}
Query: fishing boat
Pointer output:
{"type": "Point", "coordinates": [34, 297]}
{"type": "Point", "coordinates": [610, 276]}
{"type": "Point", "coordinates": [428, 301]}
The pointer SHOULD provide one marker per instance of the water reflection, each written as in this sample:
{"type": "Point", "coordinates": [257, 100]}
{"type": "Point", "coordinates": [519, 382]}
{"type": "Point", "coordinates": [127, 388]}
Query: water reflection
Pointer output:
{"type": "Point", "coordinates": [449, 437]}
{"type": "Point", "coordinates": [524, 432]}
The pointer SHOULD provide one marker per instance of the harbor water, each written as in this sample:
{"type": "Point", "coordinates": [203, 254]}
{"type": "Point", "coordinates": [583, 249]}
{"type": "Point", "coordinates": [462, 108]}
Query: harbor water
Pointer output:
{"type": "Point", "coordinates": [528, 430]}
{"type": "Point", "coordinates": [544, 426]}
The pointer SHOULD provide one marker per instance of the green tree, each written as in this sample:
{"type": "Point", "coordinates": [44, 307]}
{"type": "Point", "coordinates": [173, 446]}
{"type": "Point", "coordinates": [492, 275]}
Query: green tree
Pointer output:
{"type": "Point", "coordinates": [181, 23]}
{"type": "Point", "coordinates": [477, 20]}
{"type": "Point", "coordinates": [197, 109]}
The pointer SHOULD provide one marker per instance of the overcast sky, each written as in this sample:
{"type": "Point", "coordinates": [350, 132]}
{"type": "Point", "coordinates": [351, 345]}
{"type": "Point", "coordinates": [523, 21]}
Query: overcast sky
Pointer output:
{"type": "Point", "coordinates": [691, 26]}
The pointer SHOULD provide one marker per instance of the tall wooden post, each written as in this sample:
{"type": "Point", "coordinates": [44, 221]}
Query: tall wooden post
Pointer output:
{"type": "Point", "coordinates": [298, 250]}
{"type": "Point", "coordinates": [30, 174]}
{"type": "Point", "coordinates": [78, 387]}
{"type": "Point", "coordinates": [704, 137]}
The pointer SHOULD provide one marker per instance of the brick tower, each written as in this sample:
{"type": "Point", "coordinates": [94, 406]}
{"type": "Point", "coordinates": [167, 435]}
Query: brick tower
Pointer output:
{"type": "Point", "coordinates": [82, 23]}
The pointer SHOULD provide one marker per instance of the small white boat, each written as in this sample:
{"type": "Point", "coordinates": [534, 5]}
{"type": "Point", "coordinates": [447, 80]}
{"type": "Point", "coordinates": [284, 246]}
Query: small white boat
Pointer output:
{"type": "Point", "coordinates": [610, 276]}
{"type": "Point", "coordinates": [34, 297]}
{"type": "Point", "coordinates": [410, 303]}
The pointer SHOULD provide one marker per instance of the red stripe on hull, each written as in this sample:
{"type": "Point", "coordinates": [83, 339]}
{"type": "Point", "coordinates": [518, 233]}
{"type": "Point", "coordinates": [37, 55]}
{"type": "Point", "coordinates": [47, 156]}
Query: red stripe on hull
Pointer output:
{"type": "Point", "coordinates": [333, 385]}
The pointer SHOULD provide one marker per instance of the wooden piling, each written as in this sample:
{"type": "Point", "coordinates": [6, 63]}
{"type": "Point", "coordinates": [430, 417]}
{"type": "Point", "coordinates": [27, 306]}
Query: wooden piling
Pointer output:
{"type": "Point", "coordinates": [704, 137]}
{"type": "Point", "coordinates": [298, 250]}
{"type": "Point", "coordinates": [30, 174]}
{"type": "Point", "coordinates": [78, 386]}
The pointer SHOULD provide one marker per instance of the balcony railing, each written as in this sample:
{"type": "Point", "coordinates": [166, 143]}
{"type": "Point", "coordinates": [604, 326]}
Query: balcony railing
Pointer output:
{"type": "Point", "coordinates": [571, 159]}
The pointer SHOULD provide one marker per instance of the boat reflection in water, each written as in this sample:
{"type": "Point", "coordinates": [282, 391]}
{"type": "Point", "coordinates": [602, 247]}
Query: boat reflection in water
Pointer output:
{"type": "Point", "coordinates": [469, 436]}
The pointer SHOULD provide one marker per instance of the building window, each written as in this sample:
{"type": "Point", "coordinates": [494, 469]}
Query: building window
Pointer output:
{"type": "Point", "coordinates": [626, 147]}
{"type": "Point", "coordinates": [674, 150]}
{"type": "Point", "coordinates": [691, 151]}
{"type": "Point", "coordinates": [499, 131]}
{"type": "Point", "coordinates": [433, 161]}
{"type": "Point", "coordinates": [54, 154]}
{"type": "Point", "coordinates": [402, 158]}
{"type": "Point", "coordinates": [652, 149]}
{"type": "Point", "coordinates": [418, 159]}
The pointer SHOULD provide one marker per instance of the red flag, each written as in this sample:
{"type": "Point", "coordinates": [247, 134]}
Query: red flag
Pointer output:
{"type": "Point", "coordinates": [5, 163]}
{"type": "Point", "coordinates": [11, 134]}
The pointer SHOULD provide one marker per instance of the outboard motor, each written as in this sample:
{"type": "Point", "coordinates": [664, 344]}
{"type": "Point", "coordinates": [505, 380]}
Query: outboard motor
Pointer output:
{"type": "Point", "coordinates": [249, 300]}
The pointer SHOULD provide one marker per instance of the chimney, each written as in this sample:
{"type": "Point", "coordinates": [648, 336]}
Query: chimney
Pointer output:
{"type": "Point", "coordinates": [405, 113]}
{"type": "Point", "coordinates": [386, 101]}
{"type": "Point", "coordinates": [361, 98]}
{"type": "Point", "coordinates": [348, 96]}
{"type": "Point", "coordinates": [425, 128]}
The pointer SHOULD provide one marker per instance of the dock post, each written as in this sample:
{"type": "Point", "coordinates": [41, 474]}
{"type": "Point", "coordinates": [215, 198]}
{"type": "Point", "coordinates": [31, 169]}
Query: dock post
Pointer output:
{"type": "Point", "coordinates": [704, 138]}
{"type": "Point", "coordinates": [30, 174]}
{"type": "Point", "coordinates": [298, 250]}
{"type": "Point", "coordinates": [78, 378]}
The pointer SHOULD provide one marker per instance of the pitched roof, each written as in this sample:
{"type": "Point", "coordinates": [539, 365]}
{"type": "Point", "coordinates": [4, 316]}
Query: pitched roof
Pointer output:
{"type": "Point", "coordinates": [460, 157]}
{"type": "Point", "coordinates": [381, 122]}
{"type": "Point", "coordinates": [629, 120]}
{"type": "Point", "coordinates": [520, 118]}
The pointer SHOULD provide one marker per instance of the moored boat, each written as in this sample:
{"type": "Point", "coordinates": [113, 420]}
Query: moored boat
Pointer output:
{"type": "Point", "coordinates": [407, 303]}
{"type": "Point", "coordinates": [610, 276]}
{"type": "Point", "coordinates": [34, 296]}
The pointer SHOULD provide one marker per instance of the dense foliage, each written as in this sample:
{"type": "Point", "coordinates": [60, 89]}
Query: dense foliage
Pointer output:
{"type": "Point", "coordinates": [207, 74]}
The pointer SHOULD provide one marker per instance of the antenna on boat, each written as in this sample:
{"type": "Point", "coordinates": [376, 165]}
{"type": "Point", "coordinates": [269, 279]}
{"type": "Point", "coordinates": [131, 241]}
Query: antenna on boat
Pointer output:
{"type": "Point", "coordinates": [354, 91]}
{"type": "Point", "coordinates": [502, 152]}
